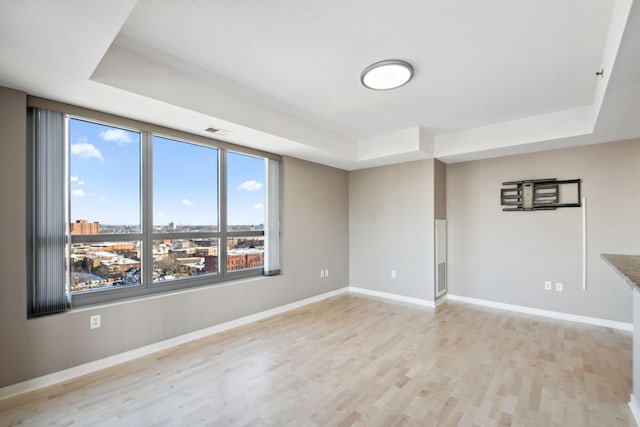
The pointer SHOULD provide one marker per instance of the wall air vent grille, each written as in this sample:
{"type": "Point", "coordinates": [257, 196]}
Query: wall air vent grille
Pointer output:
{"type": "Point", "coordinates": [441, 257]}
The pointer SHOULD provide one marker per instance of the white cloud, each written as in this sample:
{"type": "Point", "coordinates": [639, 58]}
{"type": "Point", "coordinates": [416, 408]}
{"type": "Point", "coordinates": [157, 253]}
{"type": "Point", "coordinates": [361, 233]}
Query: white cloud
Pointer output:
{"type": "Point", "coordinates": [258, 206]}
{"type": "Point", "coordinates": [84, 150]}
{"type": "Point", "coordinates": [103, 199]}
{"type": "Point", "coordinates": [187, 202]}
{"type": "Point", "coordinates": [250, 185]}
{"type": "Point", "coordinates": [117, 135]}
{"type": "Point", "coordinates": [79, 193]}
{"type": "Point", "coordinates": [76, 180]}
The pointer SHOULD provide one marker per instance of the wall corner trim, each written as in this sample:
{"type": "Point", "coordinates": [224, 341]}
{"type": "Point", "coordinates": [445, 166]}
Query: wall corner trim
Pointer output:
{"type": "Point", "coordinates": [635, 408]}
{"type": "Point", "coordinates": [395, 297]}
{"type": "Point", "coordinates": [544, 313]}
{"type": "Point", "coordinates": [440, 300]}
{"type": "Point", "coordinates": [87, 368]}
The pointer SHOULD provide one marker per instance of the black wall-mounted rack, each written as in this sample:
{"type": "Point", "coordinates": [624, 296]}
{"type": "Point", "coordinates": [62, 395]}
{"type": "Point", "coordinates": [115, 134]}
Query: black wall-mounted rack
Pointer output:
{"type": "Point", "coordinates": [536, 194]}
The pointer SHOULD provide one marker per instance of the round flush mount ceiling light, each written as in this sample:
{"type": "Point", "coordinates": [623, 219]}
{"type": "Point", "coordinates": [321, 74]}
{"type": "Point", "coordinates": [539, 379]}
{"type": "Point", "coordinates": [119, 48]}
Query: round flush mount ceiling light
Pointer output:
{"type": "Point", "coordinates": [388, 74]}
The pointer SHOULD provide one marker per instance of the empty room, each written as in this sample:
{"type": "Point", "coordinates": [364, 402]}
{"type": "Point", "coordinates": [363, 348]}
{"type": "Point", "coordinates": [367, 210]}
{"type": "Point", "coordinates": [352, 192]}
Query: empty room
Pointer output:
{"type": "Point", "coordinates": [320, 213]}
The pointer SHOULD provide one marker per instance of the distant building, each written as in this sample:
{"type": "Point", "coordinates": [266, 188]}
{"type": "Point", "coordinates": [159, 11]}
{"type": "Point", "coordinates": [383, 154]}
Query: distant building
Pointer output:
{"type": "Point", "coordinates": [206, 251]}
{"type": "Point", "coordinates": [192, 269]}
{"type": "Point", "coordinates": [211, 264]}
{"type": "Point", "coordinates": [120, 264]}
{"type": "Point", "coordinates": [114, 247]}
{"type": "Point", "coordinates": [254, 260]}
{"type": "Point", "coordinates": [183, 252]}
{"type": "Point", "coordinates": [82, 226]}
{"type": "Point", "coordinates": [236, 260]}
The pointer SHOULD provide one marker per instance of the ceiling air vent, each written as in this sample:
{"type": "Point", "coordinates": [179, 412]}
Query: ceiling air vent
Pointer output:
{"type": "Point", "coordinates": [218, 132]}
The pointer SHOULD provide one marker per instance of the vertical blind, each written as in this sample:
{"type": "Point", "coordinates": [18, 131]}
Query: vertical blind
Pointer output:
{"type": "Point", "coordinates": [272, 220]}
{"type": "Point", "coordinates": [47, 293]}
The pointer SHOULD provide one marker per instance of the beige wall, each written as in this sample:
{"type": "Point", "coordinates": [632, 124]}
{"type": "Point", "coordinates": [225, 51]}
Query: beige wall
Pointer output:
{"type": "Point", "coordinates": [13, 292]}
{"type": "Point", "coordinates": [315, 236]}
{"type": "Point", "coordinates": [391, 227]}
{"type": "Point", "coordinates": [507, 256]}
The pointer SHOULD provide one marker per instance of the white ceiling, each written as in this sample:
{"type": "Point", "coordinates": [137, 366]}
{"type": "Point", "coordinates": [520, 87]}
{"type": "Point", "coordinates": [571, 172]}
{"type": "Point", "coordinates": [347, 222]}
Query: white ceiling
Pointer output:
{"type": "Point", "coordinates": [493, 77]}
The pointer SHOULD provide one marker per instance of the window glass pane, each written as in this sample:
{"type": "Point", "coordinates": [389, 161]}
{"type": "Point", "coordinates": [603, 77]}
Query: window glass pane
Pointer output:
{"type": "Point", "coordinates": [245, 252]}
{"type": "Point", "coordinates": [104, 265]}
{"type": "Point", "coordinates": [175, 259]}
{"type": "Point", "coordinates": [185, 186]}
{"type": "Point", "coordinates": [245, 192]}
{"type": "Point", "coordinates": [104, 179]}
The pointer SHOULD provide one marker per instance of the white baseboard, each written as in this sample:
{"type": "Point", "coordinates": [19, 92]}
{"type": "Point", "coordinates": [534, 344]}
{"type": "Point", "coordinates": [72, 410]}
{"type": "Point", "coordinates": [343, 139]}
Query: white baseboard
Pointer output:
{"type": "Point", "coordinates": [395, 297]}
{"type": "Point", "coordinates": [545, 313]}
{"type": "Point", "coordinates": [635, 409]}
{"type": "Point", "coordinates": [86, 368]}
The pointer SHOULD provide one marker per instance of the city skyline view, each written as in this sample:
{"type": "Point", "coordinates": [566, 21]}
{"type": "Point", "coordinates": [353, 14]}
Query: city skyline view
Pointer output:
{"type": "Point", "coordinates": [105, 192]}
{"type": "Point", "coordinates": [105, 180]}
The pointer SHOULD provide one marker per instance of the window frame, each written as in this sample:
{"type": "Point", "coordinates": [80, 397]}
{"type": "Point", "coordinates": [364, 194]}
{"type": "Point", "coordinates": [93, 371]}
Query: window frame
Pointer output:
{"type": "Point", "coordinates": [147, 235]}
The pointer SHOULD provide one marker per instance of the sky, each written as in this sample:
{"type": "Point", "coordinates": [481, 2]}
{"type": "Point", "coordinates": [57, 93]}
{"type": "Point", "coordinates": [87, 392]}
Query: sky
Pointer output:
{"type": "Point", "coordinates": [105, 180]}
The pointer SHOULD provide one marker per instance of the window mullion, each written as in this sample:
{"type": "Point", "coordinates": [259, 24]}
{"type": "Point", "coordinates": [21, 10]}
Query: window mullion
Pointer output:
{"type": "Point", "coordinates": [146, 202]}
{"type": "Point", "coordinates": [222, 211]}
{"type": "Point", "coordinates": [99, 238]}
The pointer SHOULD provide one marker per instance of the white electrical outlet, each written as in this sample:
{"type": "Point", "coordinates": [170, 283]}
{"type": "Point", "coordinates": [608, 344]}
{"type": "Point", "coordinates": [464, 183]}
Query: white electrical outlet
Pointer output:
{"type": "Point", "coordinates": [94, 321]}
{"type": "Point", "coordinates": [393, 274]}
{"type": "Point", "coordinates": [547, 286]}
{"type": "Point", "coordinates": [322, 274]}
{"type": "Point", "coordinates": [326, 273]}
{"type": "Point", "coordinates": [559, 286]}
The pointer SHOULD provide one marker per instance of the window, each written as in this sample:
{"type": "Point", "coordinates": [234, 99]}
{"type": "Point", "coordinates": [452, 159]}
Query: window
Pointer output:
{"type": "Point", "coordinates": [146, 213]}
{"type": "Point", "coordinates": [246, 204]}
{"type": "Point", "coordinates": [104, 206]}
{"type": "Point", "coordinates": [185, 182]}
{"type": "Point", "coordinates": [185, 203]}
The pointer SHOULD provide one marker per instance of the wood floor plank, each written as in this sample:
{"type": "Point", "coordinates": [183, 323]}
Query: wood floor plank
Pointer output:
{"type": "Point", "coordinates": [356, 360]}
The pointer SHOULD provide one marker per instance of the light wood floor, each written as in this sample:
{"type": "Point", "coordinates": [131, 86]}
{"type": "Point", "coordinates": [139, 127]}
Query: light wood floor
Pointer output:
{"type": "Point", "coordinates": [355, 360]}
